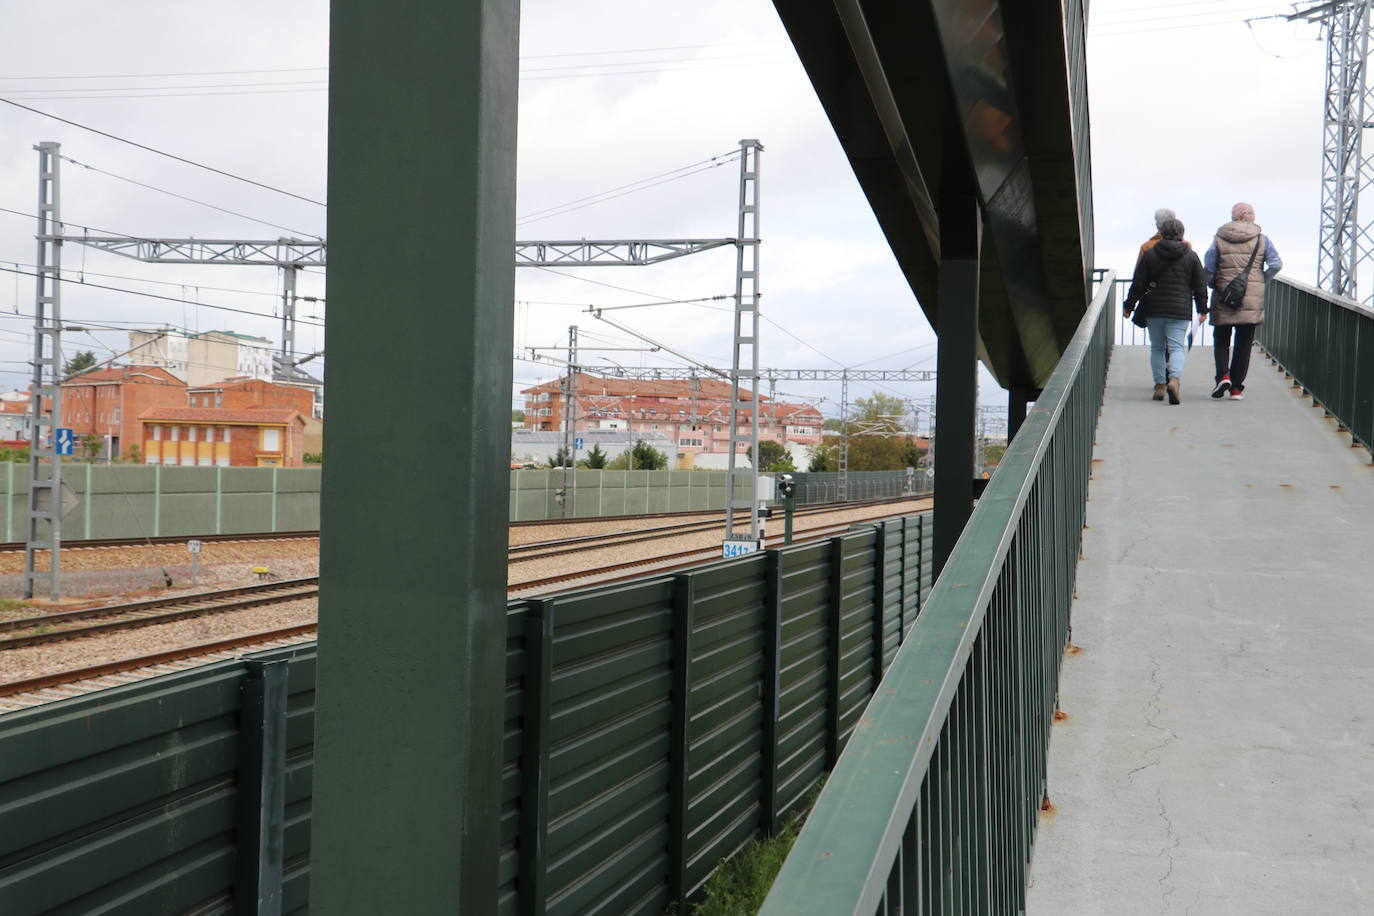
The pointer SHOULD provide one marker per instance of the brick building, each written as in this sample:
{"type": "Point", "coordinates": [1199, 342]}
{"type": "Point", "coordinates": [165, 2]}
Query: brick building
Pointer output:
{"type": "Point", "coordinates": [242, 393]}
{"type": "Point", "coordinates": [693, 414]}
{"type": "Point", "coordinates": [223, 437]}
{"type": "Point", "coordinates": [107, 403]}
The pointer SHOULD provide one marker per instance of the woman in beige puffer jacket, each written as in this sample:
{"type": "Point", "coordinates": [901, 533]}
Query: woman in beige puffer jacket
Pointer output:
{"type": "Point", "coordinates": [1233, 247]}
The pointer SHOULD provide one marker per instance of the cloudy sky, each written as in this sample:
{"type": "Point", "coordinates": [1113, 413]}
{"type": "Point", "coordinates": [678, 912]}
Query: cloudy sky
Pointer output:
{"type": "Point", "coordinates": [1191, 108]}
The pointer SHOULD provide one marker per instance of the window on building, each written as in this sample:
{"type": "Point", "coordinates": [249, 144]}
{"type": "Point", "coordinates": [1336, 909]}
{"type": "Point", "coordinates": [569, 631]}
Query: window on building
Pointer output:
{"type": "Point", "coordinates": [206, 461]}
{"type": "Point", "coordinates": [117, 412]}
{"type": "Point", "coordinates": [175, 430]}
{"type": "Point", "coordinates": [222, 462]}
{"type": "Point", "coordinates": [169, 459]}
{"type": "Point", "coordinates": [219, 398]}
{"type": "Point", "coordinates": [271, 440]}
{"type": "Point", "coordinates": [187, 431]}
{"type": "Point", "coordinates": [151, 459]}
{"type": "Point", "coordinates": [157, 432]}
{"type": "Point", "coordinates": [224, 434]}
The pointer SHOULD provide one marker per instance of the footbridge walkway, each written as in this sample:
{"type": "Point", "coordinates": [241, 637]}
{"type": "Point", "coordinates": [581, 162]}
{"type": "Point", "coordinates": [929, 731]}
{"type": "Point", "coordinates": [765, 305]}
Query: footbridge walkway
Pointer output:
{"type": "Point", "coordinates": [1180, 721]}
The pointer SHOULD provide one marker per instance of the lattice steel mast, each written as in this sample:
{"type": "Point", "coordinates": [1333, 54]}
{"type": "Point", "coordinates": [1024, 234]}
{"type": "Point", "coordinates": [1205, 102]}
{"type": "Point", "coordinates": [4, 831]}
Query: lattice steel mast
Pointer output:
{"type": "Point", "coordinates": [744, 366]}
{"type": "Point", "coordinates": [1346, 247]}
{"type": "Point", "coordinates": [45, 477]}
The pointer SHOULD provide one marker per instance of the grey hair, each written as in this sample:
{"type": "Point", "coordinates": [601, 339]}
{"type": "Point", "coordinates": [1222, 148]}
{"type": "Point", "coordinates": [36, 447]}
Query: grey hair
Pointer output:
{"type": "Point", "coordinates": [1163, 214]}
{"type": "Point", "coordinates": [1171, 229]}
{"type": "Point", "coordinates": [1243, 212]}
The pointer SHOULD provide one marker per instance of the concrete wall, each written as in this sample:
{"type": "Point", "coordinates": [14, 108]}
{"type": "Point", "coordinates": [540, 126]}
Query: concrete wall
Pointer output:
{"type": "Point", "coordinates": [122, 501]}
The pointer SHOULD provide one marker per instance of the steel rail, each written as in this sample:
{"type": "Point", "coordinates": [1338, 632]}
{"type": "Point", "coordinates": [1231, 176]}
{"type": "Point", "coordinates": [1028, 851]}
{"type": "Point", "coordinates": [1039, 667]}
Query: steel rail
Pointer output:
{"type": "Point", "coordinates": [182, 608]}
{"type": "Point", "coordinates": [78, 544]}
{"type": "Point", "coordinates": [75, 675]}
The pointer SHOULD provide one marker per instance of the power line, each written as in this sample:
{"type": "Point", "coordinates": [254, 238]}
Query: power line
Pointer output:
{"type": "Point", "coordinates": [193, 200]}
{"type": "Point", "coordinates": [217, 289]}
{"type": "Point", "coordinates": [139, 76]}
{"type": "Point", "coordinates": [134, 292]}
{"type": "Point", "coordinates": [155, 151]}
{"type": "Point", "coordinates": [723, 157]}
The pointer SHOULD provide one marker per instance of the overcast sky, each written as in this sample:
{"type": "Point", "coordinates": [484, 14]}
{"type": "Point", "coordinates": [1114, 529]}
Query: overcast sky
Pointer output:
{"type": "Point", "coordinates": [1190, 109]}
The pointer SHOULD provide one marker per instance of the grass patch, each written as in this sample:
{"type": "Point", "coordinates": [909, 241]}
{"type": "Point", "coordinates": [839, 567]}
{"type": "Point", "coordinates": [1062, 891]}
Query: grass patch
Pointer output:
{"type": "Point", "coordinates": [740, 885]}
{"type": "Point", "coordinates": [12, 607]}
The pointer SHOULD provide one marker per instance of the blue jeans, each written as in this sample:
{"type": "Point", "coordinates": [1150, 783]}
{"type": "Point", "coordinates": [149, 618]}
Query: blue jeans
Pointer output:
{"type": "Point", "coordinates": [1173, 333]}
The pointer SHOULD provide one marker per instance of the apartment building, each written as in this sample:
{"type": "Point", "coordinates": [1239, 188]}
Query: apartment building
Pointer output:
{"type": "Point", "coordinates": [106, 404]}
{"type": "Point", "coordinates": [693, 414]}
{"type": "Point", "coordinates": [205, 358]}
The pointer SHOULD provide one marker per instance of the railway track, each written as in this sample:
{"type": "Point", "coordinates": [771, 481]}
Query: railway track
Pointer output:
{"type": "Point", "coordinates": [59, 685]}
{"type": "Point", "coordinates": [178, 539]}
{"type": "Point", "coordinates": [663, 563]}
{"type": "Point", "coordinates": [534, 550]}
{"type": "Point", "coordinates": [46, 628]}
{"type": "Point", "coordinates": [91, 621]}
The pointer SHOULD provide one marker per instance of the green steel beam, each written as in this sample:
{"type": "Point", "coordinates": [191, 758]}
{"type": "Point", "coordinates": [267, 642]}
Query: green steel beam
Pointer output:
{"type": "Point", "coordinates": [956, 372]}
{"type": "Point", "coordinates": [422, 115]}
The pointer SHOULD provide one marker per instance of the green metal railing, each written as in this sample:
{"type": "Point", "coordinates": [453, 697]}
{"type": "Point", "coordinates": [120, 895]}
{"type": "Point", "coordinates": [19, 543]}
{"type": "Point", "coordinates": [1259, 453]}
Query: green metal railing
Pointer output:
{"type": "Point", "coordinates": [933, 805]}
{"type": "Point", "coordinates": [1326, 345]}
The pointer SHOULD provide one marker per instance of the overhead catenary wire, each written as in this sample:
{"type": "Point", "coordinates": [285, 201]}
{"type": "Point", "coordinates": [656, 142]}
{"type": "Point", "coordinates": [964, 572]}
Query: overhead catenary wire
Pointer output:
{"type": "Point", "coordinates": [154, 150]}
{"type": "Point", "coordinates": [132, 181]}
{"type": "Point", "coordinates": [181, 301]}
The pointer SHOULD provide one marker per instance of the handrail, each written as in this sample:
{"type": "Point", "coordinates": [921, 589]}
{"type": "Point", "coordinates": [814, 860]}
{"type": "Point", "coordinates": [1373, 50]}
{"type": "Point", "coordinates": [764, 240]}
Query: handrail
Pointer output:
{"type": "Point", "coordinates": [933, 803]}
{"type": "Point", "coordinates": [1325, 343]}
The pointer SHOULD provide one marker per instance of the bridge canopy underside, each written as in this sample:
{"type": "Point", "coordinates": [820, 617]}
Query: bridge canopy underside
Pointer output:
{"type": "Point", "coordinates": [935, 102]}
{"type": "Point", "coordinates": [1218, 755]}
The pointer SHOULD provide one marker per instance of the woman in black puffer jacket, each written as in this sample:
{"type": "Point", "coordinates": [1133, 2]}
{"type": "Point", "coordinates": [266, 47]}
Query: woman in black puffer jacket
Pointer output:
{"type": "Point", "coordinates": [1169, 281]}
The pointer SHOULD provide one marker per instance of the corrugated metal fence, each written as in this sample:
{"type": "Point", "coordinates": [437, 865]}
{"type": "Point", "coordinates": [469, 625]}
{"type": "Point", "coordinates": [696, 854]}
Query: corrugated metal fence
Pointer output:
{"type": "Point", "coordinates": [652, 728]}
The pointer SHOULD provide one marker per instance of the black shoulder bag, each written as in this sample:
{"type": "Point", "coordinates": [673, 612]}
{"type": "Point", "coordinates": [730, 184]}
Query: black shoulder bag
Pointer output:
{"type": "Point", "coordinates": [1234, 293]}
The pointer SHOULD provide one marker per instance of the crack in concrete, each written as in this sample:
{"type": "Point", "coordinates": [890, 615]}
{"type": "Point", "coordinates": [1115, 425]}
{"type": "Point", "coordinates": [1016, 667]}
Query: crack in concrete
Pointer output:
{"type": "Point", "coordinates": [1153, 755]}
{"type": "Point", "coordinates": [1167, 851]}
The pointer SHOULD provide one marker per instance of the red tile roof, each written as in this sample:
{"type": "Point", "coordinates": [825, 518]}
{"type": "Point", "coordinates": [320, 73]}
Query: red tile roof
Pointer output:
{"type": "Point", "coordinates": [134, 375]}
{"type": "Point", "coordinates": [269, 416]}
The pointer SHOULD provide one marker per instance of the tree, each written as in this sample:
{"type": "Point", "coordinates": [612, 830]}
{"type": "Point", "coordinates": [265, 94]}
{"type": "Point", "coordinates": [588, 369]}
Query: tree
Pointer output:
{"type": "Point", "coordinates": [134, 455]}
{"type": "Point", "coordinates": [832, 424]}
{"type": "Point", "coordinates": [643, 457]}
{"type": "Point", "coordinates": [560, 458]}
{"type": "Point", "coordinates": [879, 439]}
{"type": "Point", "coordinates": [820, 457]}
{"type": "Point", "coordinates": [517, 416]}
{"type": "Point", "coordinates": [82, 361]}
{"type": "Point", "coordinates": [91, 446]}
{"type": "Point", "coordinates": [596, 458]}
{"type": "Point", "coordinates": [313, 458]}
{"type": "Point", "coordinates": [783, 465]}
{"type": "Point", "coordinates": [770, 453]}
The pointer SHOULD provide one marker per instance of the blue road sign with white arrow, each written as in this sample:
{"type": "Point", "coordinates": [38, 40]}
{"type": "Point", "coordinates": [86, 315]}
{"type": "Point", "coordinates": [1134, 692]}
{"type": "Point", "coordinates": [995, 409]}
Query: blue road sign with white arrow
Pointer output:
{"type": "Point", "coordinates": [578, 443]}
{"type": "Point", "coordinates": [65, 440]}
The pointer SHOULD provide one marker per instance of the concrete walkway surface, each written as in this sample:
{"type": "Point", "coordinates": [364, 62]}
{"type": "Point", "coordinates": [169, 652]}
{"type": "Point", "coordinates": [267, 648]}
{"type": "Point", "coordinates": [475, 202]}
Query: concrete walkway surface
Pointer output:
{"type": "Point", "coordinates": [1218, 755]}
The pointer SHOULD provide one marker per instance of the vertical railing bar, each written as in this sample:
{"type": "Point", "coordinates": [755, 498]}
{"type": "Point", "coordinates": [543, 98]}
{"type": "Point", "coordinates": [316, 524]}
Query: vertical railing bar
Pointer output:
{"type": "Point", "coordinates": [835, 655]}
{"type": "Point", "coordinates": [772, 689]}
{"type": "Point", "coordinates": [262, 784]}
{"type": "Point", "coordinates": [535, 717]}
{"type": "Point", "coordinates": [684, 602]}
{"type": "Point", "coordinates": [879, 599]}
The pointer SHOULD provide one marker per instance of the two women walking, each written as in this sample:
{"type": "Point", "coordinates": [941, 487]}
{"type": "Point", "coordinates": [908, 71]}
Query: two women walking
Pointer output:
{"type": "Point", "coordinates": [1170, 281]}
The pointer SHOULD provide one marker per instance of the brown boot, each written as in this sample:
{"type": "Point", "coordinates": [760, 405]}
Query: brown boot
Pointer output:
{"type": "Point", "coordinates": [1172, 388]}
{"type": "Point", "coordinates": [1159, 393]}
